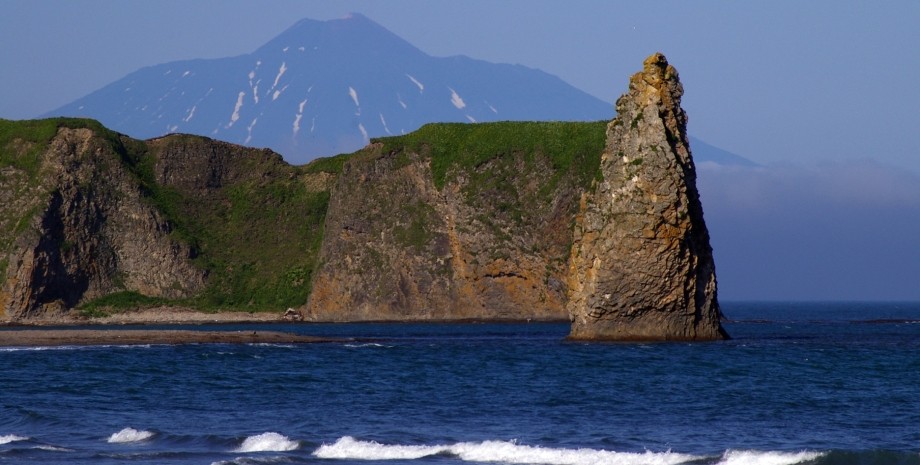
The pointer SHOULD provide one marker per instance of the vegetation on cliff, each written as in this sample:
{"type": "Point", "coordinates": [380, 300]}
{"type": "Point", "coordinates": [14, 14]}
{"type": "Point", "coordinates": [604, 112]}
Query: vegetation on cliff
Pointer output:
{"type": "Point", "coordinates": [254, 232]}
{"type": "Point", "coordinates": [254, 225]}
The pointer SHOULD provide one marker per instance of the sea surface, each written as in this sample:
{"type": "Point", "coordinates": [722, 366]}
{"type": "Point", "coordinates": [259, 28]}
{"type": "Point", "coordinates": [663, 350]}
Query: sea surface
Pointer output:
{"type": "Point", "coordinates": [806, 383]}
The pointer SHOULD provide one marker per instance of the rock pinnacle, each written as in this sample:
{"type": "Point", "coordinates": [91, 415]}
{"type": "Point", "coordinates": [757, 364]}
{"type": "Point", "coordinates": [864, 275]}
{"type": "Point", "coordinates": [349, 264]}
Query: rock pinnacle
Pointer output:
{"type": "Point", "coordinates": [641, 266]}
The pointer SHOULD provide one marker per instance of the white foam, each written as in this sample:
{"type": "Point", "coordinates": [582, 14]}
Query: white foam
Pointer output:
{"type": "Point", "coordinates": [129, 435]}
{"type": "Point", "coordinates": [472, 120]}
{"type": "Point", "coordinates": [456, 100]}
{"type": "Point", "coordinates": [53, 448]}
{"type": "Point", "coordinates": [360, 128]}
{"type": "Point", "coordinates": [12, 438]}
{"type": "Point", "coordinates": [268, 442]}
{"type": "Point", "coordinates": [350, 448]}
{"type": "Point", "coordinates": [366, 344]}
{"type": "Point", "coordinates": [496, 451]}
{"type": "Point", "coordinates": [753, 457]}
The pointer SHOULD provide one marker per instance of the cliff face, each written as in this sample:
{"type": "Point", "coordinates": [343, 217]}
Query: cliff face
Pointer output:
{"type": "Point", "coordinates": [73, 231]}
{"type": "Point", "coordinates": [87, 214]}
{"type": "Point", "coordinates": [506, 220]}
{"type": "Point", "coordinates": [488, 242]}
{"type": "Point", "coordinates": [641, 265]}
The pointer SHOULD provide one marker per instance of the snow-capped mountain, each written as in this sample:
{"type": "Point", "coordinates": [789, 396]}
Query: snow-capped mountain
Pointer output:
{"type": "Point", "coordinates": [326, 87]}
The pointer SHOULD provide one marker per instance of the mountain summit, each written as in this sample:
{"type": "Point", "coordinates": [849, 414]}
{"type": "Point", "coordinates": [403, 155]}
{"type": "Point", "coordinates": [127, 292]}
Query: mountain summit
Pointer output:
{"type": "Point", "coordinates": [327, 87]}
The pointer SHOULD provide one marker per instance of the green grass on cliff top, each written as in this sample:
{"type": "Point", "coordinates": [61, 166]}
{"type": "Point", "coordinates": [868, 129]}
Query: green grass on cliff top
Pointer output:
{"type": "Point", "coordinates": [260, 242]}
{"type": "Point", "coordinates": [460, 146]}
{"type": "Point", "coordinates": [37, 134]}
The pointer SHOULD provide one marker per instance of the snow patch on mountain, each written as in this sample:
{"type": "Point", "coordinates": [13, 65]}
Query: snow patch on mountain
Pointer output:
{"type": "Point", "coordinates": [456, 100]}
{"type": "Point", "coordinates": [278, 93]}
{"type": "Point", "coordinates": [281, 71]}
{"type": "Point", "coordinates": [298, 117]}
{"type": "Point", "coordinates": [354, 95]}
{"type": "Point", "coordinates": [236, 109]}
{"type": "Point", "coordinates": [421, 87]}
{"type": "Point", "coordinates": [384, 123]}
{"type": "Point", "coordinates": [191, 113]}
{"type": "Point", "coordinates": [249, 130]}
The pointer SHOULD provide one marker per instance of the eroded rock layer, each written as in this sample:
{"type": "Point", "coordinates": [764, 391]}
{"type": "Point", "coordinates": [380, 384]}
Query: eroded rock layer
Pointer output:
{"type": "Point", "coordinates": [641, 266]}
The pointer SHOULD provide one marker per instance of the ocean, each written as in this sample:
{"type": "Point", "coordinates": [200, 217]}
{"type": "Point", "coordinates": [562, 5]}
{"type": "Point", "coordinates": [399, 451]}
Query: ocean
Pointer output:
{"type": "Point", "coordinates": [809, 383]}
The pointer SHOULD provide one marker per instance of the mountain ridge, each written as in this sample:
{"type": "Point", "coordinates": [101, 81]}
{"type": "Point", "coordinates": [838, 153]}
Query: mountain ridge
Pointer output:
{"type": "Point", "coordinates": [322, 88]}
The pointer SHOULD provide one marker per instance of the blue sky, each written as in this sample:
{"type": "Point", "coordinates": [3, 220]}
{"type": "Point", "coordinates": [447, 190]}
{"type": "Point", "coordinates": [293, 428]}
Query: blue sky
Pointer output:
{"type": "Point", "coordinates": [823, 94]}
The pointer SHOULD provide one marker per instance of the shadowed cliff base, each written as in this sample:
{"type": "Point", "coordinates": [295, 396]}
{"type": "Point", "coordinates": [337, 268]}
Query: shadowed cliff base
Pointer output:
{"type": "Point", "coordinates": [641, 266]}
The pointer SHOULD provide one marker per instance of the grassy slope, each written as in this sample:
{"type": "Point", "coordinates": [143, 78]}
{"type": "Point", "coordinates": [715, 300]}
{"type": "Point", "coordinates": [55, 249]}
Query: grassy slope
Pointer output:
{"type": "Point", "coordinates": [455, 147]}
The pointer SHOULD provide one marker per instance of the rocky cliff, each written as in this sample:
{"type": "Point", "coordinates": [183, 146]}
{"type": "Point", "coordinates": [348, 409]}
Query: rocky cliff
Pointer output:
{"type": "Point", "coordinates": [512, 220]}
{"type": "Point", "coordinates": [90, 216]}
{"type": "Point", "coordinates": [76, 226]}
{"type": "Point", "coordinates": [641, 265]}
{"type": "Point", "coordinates": [455, 221]}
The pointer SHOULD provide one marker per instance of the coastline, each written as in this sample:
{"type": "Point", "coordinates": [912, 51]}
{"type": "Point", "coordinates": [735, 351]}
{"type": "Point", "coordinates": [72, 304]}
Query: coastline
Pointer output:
{"type": "Point", "coordinates": [150, 316]}
{"type": "Point", "coordinates": [36, 332]}
{"type": "Point", "coordinates": [70, 330]}
{"type": "Point", "coordinates": [36, 337]}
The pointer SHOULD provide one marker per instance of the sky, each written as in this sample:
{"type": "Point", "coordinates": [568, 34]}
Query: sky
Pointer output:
{"type": "Point", "coordinates": [822, 94]}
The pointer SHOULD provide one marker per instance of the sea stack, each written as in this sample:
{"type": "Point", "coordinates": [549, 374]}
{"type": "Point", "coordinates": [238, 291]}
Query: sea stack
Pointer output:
{"type": "Point", "coordinates": [641, 267]}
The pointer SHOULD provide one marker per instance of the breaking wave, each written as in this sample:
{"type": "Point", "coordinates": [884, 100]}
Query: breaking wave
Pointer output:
{"type": "Point", "coordinates": [11, 438]}
{"type": "Point", "coordinates": [129, 435]}
{"type": "Point", "coordinates": [751, 457]}
{"type": "Point", "coordinates": [495, 451]}
{"type": "Point", "coordinates": [268, 442]}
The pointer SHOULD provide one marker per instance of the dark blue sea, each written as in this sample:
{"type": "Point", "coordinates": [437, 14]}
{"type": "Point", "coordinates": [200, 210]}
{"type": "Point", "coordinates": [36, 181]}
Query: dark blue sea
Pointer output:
{"type": "Point", "coordinates": [799, 383]}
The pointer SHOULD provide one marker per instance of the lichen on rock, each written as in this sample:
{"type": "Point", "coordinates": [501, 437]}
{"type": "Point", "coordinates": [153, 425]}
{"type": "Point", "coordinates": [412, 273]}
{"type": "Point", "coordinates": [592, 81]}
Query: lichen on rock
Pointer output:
{"type": "Point", "coordinates": [641, 266]}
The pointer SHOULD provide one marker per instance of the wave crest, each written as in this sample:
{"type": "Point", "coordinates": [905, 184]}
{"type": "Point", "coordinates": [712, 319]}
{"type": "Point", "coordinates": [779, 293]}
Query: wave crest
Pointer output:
{"type": "Point", "coordinates": [12, 438]}
{"type": "Point", "coordinates": [494, 451]}
{"type": "Point", "coordinates": [753, 457]}
{"type": "Point", "coordinates": [268, 442]}
{"type": "Point", "coordinates": [129, 434]}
